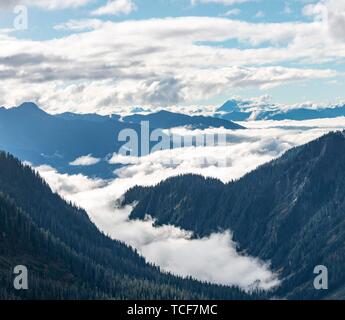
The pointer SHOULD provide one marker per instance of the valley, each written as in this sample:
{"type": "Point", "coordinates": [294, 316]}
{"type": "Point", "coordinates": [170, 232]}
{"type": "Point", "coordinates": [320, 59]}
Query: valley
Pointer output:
{"type": "Point", "coordinates": [203, 212]}
{"type": "Point", "coordinates": [289, 211]}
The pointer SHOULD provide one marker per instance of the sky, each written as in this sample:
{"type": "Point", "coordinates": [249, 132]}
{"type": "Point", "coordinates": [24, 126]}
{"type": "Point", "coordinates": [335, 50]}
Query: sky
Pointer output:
{"type": "Point", "coordinates": [104, 55]}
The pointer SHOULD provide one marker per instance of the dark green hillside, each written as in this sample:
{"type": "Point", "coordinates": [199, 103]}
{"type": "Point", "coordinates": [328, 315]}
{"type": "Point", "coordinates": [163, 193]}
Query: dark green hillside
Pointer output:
{"type": "Point", "coordinates": [68, 257]}
{"type": "Point", "coordinates": [290, 211]}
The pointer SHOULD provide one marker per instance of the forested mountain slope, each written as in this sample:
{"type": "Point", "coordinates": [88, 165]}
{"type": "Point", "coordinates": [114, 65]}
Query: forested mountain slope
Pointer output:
{"type": "Point", "coordinates": [290, 211]}
{"type": "Point", "coordinates": [167, 120]}
{"type": "Point", "coordinates": [68, 257]}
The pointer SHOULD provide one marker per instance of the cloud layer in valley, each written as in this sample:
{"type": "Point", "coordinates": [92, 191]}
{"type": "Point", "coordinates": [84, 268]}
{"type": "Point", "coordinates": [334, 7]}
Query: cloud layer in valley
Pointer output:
{"type": "Point", "coordinates": [211, 259]}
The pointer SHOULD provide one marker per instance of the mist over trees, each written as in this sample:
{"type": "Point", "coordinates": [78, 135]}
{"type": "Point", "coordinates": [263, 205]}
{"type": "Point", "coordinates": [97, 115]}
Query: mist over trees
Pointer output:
{"type": "Point", "coordinates": [68, 257]}
{"type": "Point", "coordinates": [289, 212]}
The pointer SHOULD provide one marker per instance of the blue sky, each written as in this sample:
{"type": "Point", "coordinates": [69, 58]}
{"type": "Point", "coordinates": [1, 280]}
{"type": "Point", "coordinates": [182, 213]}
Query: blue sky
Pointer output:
{"type": "Point", "coordinates": [43, 21]}
{"type": "Point", "coordinates": [290, 50]}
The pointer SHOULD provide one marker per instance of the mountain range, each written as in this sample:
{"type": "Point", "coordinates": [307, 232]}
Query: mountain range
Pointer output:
{"type": "Point", "coordinates": [289, 211]}
{"type": "Point", "coordinates": [38, 137]}
{"type": "Point", "coordinates": [235, 110]}
{"type": "Point", "coordinates": [167, 120]}
{"type": "Point", "coordinates": [35, 136]}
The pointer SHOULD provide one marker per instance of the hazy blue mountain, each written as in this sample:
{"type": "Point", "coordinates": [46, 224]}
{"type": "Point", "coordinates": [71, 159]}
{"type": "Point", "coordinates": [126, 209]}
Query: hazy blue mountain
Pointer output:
{"type": "Point", "coordinates": [234, 110]}
{"type": "Point", "coordinates": [68, 257]}
{"type": "Point", "coordinates": [87, 117]}
{"type": "Point", "coordinates": [233, 105]}
{"type": "Point", "coordinates": [139, 110]}
{"type": "Point", "coordinates": [305, 114]}
{"type": "Point", "coordinates": [57, 140]}
{"type": "Point", "coordinates": [167, 120]}
{"type": "Point", "coordinates": [36, 136]}
{"type": "Point", "coordinates": [289, 211]}
{"type": "Point", "coordinates": [234, 116]}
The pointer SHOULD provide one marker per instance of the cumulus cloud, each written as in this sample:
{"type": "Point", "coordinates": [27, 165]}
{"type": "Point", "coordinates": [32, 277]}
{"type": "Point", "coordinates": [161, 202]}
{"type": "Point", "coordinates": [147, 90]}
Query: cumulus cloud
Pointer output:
{"type": "Point", "coordinates": [87, 160]}
{"type": "Point", "coordinates": [160, 62]}
{"type": "Point", "coordinates": [6, 4]}
{"type": "Point", "coordinates": [80, 25]}
{"type": "Point", "coordinates": [331, 13]}
{"type": "Point", "coordinates": [115, 7]}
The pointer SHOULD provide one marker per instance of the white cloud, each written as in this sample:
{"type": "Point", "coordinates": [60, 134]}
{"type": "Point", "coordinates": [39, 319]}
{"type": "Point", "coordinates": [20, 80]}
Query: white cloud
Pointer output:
{"type": "Point", "coordinates": [160, 62]}
{"type": "Point", "coordinates": [212, 259]}
{"type": "Point", "coordinates": [70, 184]}
{"type": "Point", "coordinates": [244, 151]}
{"type": "Point", "coordinates": [80, 25]}
{"type": "Point", "coordinates": [216, 253]}
{"type": "Point", "coordinates": [116, 7]}
{"type": "Point", "coordinates": [232, 12]}
{"type": "Point", "coordinates": [88, 160]}
{"type": "Point", "coordinates": [6, 4]}
{"type": "Point", "coordinates": [332, 14]}
{"type": "Point", "coordinates": [121, 159]}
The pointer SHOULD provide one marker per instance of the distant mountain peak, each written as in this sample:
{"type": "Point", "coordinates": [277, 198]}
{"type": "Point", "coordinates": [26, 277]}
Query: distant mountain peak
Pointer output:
{"type": "Point", "coordinates": [230, 105]}
{"type": "Point", "coordinates": [164, 112]}
{"type": "Point", "coordinates": [165, 119]}
{"type": "Point", "coordinates": [29, 106]}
